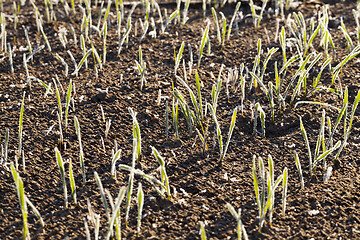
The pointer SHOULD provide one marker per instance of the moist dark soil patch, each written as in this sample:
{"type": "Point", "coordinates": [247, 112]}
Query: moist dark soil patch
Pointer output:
{"type": "Point", "coordinates": [201, 186]}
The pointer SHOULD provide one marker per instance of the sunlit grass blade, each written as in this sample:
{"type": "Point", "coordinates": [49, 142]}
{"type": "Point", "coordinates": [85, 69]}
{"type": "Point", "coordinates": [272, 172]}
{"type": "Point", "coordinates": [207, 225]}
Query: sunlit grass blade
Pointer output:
{"type": "Point", "coordinates": [350, 44]}
{"type": "Point", "coordinates": [348, 130]}
{"type": "Point", "coordinates": [338, 120]}
{"type": "Point", "coordinates": [178, 56]}
{"type": "Point", "coordinates": [22, 199]}
{"type": "Point", "coordinates": [311, 39]}
{"type": "Point", "coordinates": [317, 103]}
{"type": "Point", "coordinates": [47, 87]}
{"type": "Point", "coordinates": [232, 125]}
{"type": "Point", "coordinates": [60, 164]}
{"type": "Point", "coordinates": [131, 182]}
{"type": "Point", "coordinates": [81, 153]}
{"type": "Point", "coordinates": [259, 112]}
{"type": "Point", "coordinates": [140, 202]}
{"type": "Point", "coordinates": [171, 17]}
{"type": "Point", "coordinates": [218, 130]}
{"type": "Point", "coordinates": [63, 63]}
{"type": "Point", "coordinates": [307, 143]}
{"type": "Point", "coordinates": [167, 120]}
{"type": "Point", "coordinates": [96, 56]}
{"type": "Point", "coordinates": [202, 231]}
{"type": "Point", "coordinates": [68, 97]}
{"type": "Point", "coordinates": [125, 36]}
{"type": "Point", "coordinates": [118, 202]}
{"type": "Point", "coordinates": [336, 70]}
{"type": "Point", "coordinates": [218, 34]}
{"type": "Point", "coordinates": [202, 44]}
{"type": "Point", "coordinates": [233, 19]}
{"type": "Point", "coordinates": [198, 87]}
{"type": "Point", "coordinates": [192, 98]}
{"type": "Point", "coordinates": [37, 213]}
{"type": "Point", "coordinates": [282, 40]}
{"type": "Point", "coordinates": [82, 61]}
{"type": "Point", "coordinates": [240, 226]}
{"type": "Point", "coordinates": [153, 181]}
{"type": "Point", "coordinates": [298, 167]}
{"type": "Point", "coordinates": [21, 118]}
{"type": "Point", "coordinates": [114, 159]}
{"type": "Point", "coordinates": [72, 183]}
{"type": "Point", "coordinates": [285, 187]}
{"type": "Point", "coordinates": [175, 116]}
{"type": "Point", "coordinates": [270, 201]}
{"type": "Point", "coordinates": [256, 184]}
{"type": "Point", "coordinates": [164, 176]}
{"type": "Point", "coordinates": [297, 73]}
{"type": "Point", "coordinates": [325, 154]}
{"type": "Point", "coordinates": [103, 196]}
{"type": "Point", "coordinates": [136, 134]}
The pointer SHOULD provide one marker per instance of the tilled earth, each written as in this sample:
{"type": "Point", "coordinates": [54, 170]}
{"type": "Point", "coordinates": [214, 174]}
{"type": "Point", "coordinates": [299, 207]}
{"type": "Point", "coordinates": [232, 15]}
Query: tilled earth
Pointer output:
{"type": "Point", "coordinates": [201, 185]}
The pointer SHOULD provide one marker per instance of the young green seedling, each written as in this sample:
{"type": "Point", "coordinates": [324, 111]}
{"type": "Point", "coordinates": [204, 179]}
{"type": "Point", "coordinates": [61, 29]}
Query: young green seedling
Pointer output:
{"type": "Point", "coordinates": [60, 164]}
{"type": "Point", "coordinates": [141, 66]}
{"type": "Point", "coordinates": [96, 56]}
{"type": "Point", "coordinates": [11, 58]}
{"type": "Point", "coordinates": [177, 57]}
{"type": "Point", "coordinates": [185, 12]}
{"type": "Point", "coordinates": [285, 187]}
{"type": "Point", "coordinates": [81, 153]}
{"type": "Point", "coordinates": [115, 211]}
{"type": "Point", "coordinates": [63, 63]}
{"type": "Point", "coordinates": [240, 229]}
{"type": "Point", "coordinates": [131, 182]}
{"type": "Point", "coordinates": [265, 203]}
{"type": "Point", "coordinates": [298, 167]}
{"type": "Point", "coordinates": [125, 36]}
{"type": "Point", "coordinates": [167, 120]}
{"type": "Point", "coordinates": [103, 196]}
{"type": "Point", "coordinates": [348, 129]}
{"type": "Point", "coordinates": [259, 112]}
{"type": "Point", "coordinates": [22, 199]}
{"type": "Point", "coordinates": [202, 44]}
{"type": "Point", "coordinates": [188, 113]}
{"type": "Point", "coordinates": [45, 38]}
{"type": "Point", "coordinates": [218, 33]}
{"type": "Point", "coordinates": [115, 158]}
{"type": "Point", "coordinates": [82, 61]}
{"type": "Point", "coordinates": [164, 176]}
{"type": "Point", "coordinates": [23, 202]}
{"type": "Point", "coordinates": [317, 156]}
{"type": "Point", "coordinates": [21, 118]}
{"type": "Point", "coordinates": [336, 70]}
{"type": "Point", "coordinates": [223, 18]}
{"type": "Point", "coordinates": [68, 97]}
{"type": "Point", "coordinates": [218, 131]}
{"type": "Point", "coordinates": [150, 179]}
{"type": "Point", "coordinates": [233, 19]}
{"type": "Point", "coordinates": [136, 134]}
{"type": "Point", "coordinates": [175, 116]}
{"type": "Point", "coordinates": [171, 17]}
{"type": "Point", "coordinates": [257, 18]}
{"type": "Point", "coordinates": [350, 44]}
{"type": "Point", "coordinates": [72, 183]}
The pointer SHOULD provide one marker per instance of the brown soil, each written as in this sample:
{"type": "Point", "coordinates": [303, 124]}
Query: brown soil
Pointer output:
{"type": "Point", "coordinates": [200, 185]}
